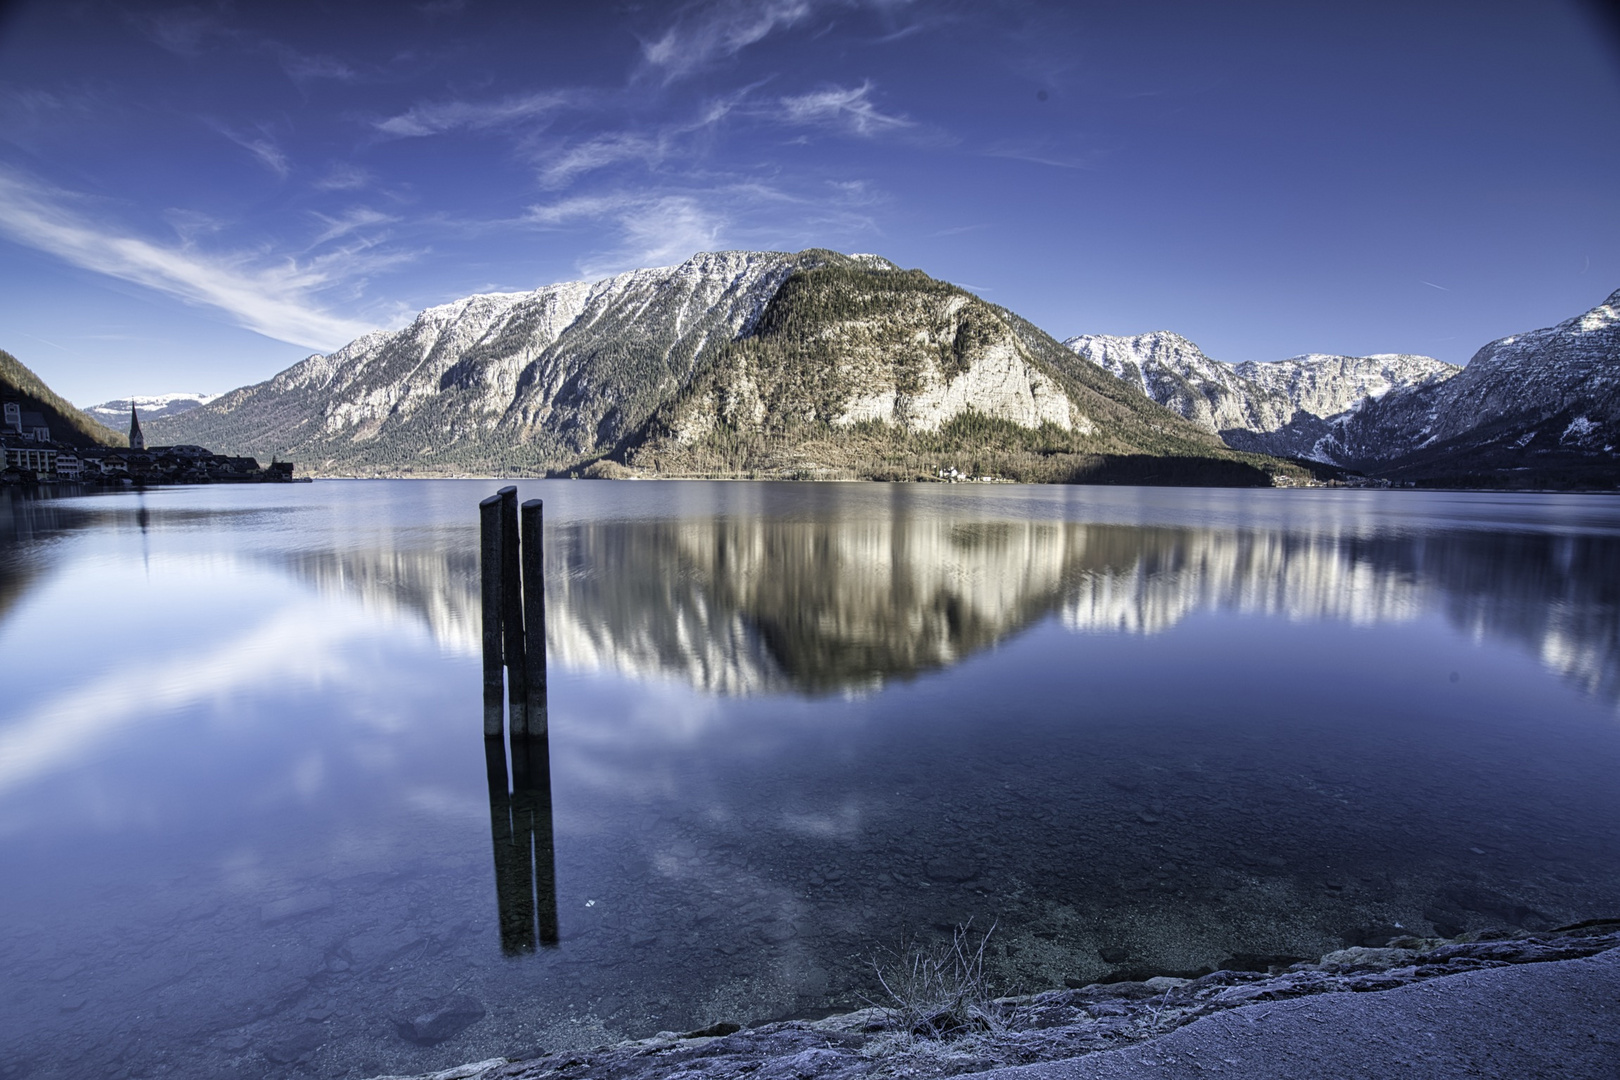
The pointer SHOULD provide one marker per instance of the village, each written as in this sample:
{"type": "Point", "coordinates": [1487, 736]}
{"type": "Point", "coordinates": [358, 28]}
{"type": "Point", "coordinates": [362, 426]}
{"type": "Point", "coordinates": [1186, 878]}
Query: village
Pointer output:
{"type": "Point", "coordinates": [32, 457]}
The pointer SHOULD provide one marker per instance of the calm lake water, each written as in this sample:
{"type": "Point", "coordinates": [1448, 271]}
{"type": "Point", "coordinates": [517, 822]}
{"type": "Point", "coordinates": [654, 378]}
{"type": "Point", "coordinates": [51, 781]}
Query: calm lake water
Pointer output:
{"type": "Point", "coordinates": [246, 824]}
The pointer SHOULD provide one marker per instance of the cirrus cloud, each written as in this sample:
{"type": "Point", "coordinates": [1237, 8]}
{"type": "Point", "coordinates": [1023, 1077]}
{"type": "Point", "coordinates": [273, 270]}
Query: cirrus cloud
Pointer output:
{"type": "Point", "coordinates": [435, 118]}
{"type": "Point", "coordinates": [276, 297]}
{"type": "Point", "coordinates": [846, 108]}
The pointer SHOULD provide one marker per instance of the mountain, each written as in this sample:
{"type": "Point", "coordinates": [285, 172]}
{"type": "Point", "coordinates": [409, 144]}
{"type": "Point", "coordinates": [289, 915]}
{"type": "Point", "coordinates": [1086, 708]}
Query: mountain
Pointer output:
{"type": "Point", "coordinates": [1539, 409]}
{"type": "Point", "coordinates": [68, 425]}
{"type": "Point", "coordinates": [1535, 409]}
{"type": "Point", "coordinates": [1271, 408]}
{"type": "Point", "coordinates": [732, 363]}
{"type": "Point", "coordinates": [115, 413]}
{"type": "Point", "coordinates": [507, 380]}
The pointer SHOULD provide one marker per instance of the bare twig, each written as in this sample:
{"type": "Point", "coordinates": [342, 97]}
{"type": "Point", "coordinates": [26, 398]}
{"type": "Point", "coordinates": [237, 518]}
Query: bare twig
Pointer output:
{"type": "Point", "coordinates": [939, 991]}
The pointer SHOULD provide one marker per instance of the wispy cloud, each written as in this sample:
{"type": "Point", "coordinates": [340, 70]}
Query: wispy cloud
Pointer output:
{"type": "Point", "coordinates": [276, 297]}
{"type": "Point", "coordinates": [709, 32]}
{"type": "Point", "coordinates": [27, 105]}
{"type": "Point", "coordinates": [846, 108]}
{"type": "Point", "coordinates": [669, 230]}
{"type": "Point", "coordinates": [189, 225]}
{"type": "Point", "coordinates": [181, 30]}
{"type": "Point", "coordinates": [559, 167]}
{"type": "Point", "coordinates": [344, 177]}
{"type": "Point", "coordinates": [263, 147]}
{"type": "Point", "coordinates": [600, 152]}
{"type": "Point", "coordinates": [359, 217]}
{"type": "Point", "coordinates": [434, 118]}
{"type": "Point", "coordinates": [1044, 153]}
{"type": "Point", "coordinates": [303, 68]}
{"type": "Point", "coordinates": [654, 229]}
{"type": "Point", "coordinates": [52, 344]}
{"type": "Point", "coordinates": [666, 226]}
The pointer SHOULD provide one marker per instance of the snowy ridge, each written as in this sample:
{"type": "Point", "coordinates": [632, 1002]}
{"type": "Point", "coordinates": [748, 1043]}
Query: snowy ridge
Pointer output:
{"type": "Point", "coordinates": [1252, 405]}
{"type": "Point", "coordinates": [115, 413]}
{"type": "Point", "coordinates": [568, 367]}
{"type": "Point", "coordinates": [1548, 398]}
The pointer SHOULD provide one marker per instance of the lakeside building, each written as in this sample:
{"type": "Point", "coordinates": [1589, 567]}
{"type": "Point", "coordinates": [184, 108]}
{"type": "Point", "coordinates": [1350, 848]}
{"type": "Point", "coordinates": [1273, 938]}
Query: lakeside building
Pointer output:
{"type": "Point", "coordinates": [28, 455]}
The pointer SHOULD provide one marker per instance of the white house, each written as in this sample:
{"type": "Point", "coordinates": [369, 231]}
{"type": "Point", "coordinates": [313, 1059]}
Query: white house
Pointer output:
{"type": "Point", "coordinates": [30, 458]}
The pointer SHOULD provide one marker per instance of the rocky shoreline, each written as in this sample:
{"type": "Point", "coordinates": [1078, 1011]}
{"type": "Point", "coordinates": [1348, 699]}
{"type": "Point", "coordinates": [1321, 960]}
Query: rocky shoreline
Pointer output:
{"type": "Point", "coordinates": [1051, 1026]}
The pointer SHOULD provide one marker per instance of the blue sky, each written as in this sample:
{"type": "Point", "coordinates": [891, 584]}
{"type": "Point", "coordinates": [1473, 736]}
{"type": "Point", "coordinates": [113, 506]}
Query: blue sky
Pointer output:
{"type": "Point", "coordinates": [194, 197]}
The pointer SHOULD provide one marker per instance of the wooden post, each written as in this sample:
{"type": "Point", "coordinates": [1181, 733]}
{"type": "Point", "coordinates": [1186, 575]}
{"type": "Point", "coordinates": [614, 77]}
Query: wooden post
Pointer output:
{"type": "Point", "coordinates": [517, 682]}
{"type": "Point", "coordinates": [534, 613]}
{"type": "Point", "coordinates": [489, 564]}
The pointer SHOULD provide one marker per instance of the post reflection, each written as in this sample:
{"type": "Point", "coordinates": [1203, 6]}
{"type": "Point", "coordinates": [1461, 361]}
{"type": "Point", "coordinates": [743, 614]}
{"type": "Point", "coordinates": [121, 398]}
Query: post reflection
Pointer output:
{"type": "Point", "coordinates": [525, 852]}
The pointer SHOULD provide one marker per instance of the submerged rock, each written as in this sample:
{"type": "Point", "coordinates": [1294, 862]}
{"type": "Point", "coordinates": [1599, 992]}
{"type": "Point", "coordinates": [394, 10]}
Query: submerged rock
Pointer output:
{"type": "Point", "coordinates": [291, 907]}
{"type": "Point", "coordinates": [432, 1022]}
{"type": "Point", "coordinates": [952, 871]}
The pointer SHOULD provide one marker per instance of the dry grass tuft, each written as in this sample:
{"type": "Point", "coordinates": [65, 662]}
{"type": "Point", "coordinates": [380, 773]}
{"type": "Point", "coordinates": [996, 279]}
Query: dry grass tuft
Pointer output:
{"type": "Point", "coordinates": [938, 991]}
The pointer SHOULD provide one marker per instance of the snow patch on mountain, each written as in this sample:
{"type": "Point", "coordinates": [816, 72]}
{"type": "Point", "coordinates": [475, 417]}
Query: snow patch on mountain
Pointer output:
{"type": "Point", "coordinates": [1544, 392]}
{"type": "Point", "coordinates": [1292, 408]}
{"type": "Point", "coordinates": [115, 413]}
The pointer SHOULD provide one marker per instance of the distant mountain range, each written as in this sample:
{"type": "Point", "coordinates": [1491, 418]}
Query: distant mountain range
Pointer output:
{"type": "Point", "coordinates": [115, 413]}
{"type": "Point", "coordinates": [1260, 399]}
{"type": "Point", "coordinates": [817, 364]}
{"type": "Point", "coordinates": [1534, 409]}
{"type": "Point", "coordinates": [813, 364]}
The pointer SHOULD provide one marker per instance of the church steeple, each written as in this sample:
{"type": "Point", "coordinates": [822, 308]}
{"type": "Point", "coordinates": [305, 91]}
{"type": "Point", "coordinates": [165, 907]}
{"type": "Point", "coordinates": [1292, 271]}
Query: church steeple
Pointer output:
{"type": "Point", "coordinates": [137, 441]}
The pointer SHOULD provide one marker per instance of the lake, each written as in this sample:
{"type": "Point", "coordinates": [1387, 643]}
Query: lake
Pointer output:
{"type": "Point", "coordinates": [248, 825]}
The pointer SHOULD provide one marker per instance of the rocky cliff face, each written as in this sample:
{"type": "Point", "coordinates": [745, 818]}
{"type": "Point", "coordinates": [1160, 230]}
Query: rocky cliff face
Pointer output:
{"type": "Point", "coordinates": [1276, 408]}
{"type": "Point", "coordinates": [1536, 408]}
{"type": "Point", "coordinates": [732, 363]}
{"type": "Point", "coordinates": [545, 375]}
{"type": "Point", "coordinates": [1175, 373]}
{"type": "Point", "coordinates": [1547, 402]}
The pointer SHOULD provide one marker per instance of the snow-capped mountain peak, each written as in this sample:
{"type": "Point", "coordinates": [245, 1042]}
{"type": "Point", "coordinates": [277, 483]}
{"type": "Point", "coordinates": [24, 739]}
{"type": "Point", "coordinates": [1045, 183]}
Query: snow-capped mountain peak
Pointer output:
{"type": "Point", "coordinates": [1541, 400]}
{"type": "Point", "coordinates": [115, 413]}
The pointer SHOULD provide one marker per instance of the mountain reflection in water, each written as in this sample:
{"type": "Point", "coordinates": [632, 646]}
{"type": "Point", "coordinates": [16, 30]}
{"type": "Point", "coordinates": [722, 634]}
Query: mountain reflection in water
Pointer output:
{"type": "Point", "coordinates": [740, 606]}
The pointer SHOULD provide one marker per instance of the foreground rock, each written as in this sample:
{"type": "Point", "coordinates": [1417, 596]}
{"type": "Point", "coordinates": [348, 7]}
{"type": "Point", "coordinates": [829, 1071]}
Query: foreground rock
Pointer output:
{"type": "Point", "coordinates": [1129, 1029]}
{"type": "Point", "coordinates": [1525, 1020]}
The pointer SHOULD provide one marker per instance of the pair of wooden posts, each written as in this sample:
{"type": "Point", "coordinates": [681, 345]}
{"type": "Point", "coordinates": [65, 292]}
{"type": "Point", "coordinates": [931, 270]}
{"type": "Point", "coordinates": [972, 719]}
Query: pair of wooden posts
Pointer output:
{"type": "Point", "coordinates": [512, 563]}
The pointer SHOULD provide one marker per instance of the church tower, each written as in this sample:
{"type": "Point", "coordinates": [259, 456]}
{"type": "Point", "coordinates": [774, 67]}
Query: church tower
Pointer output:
{"type": "Point", "coordinates": [137, 441]}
